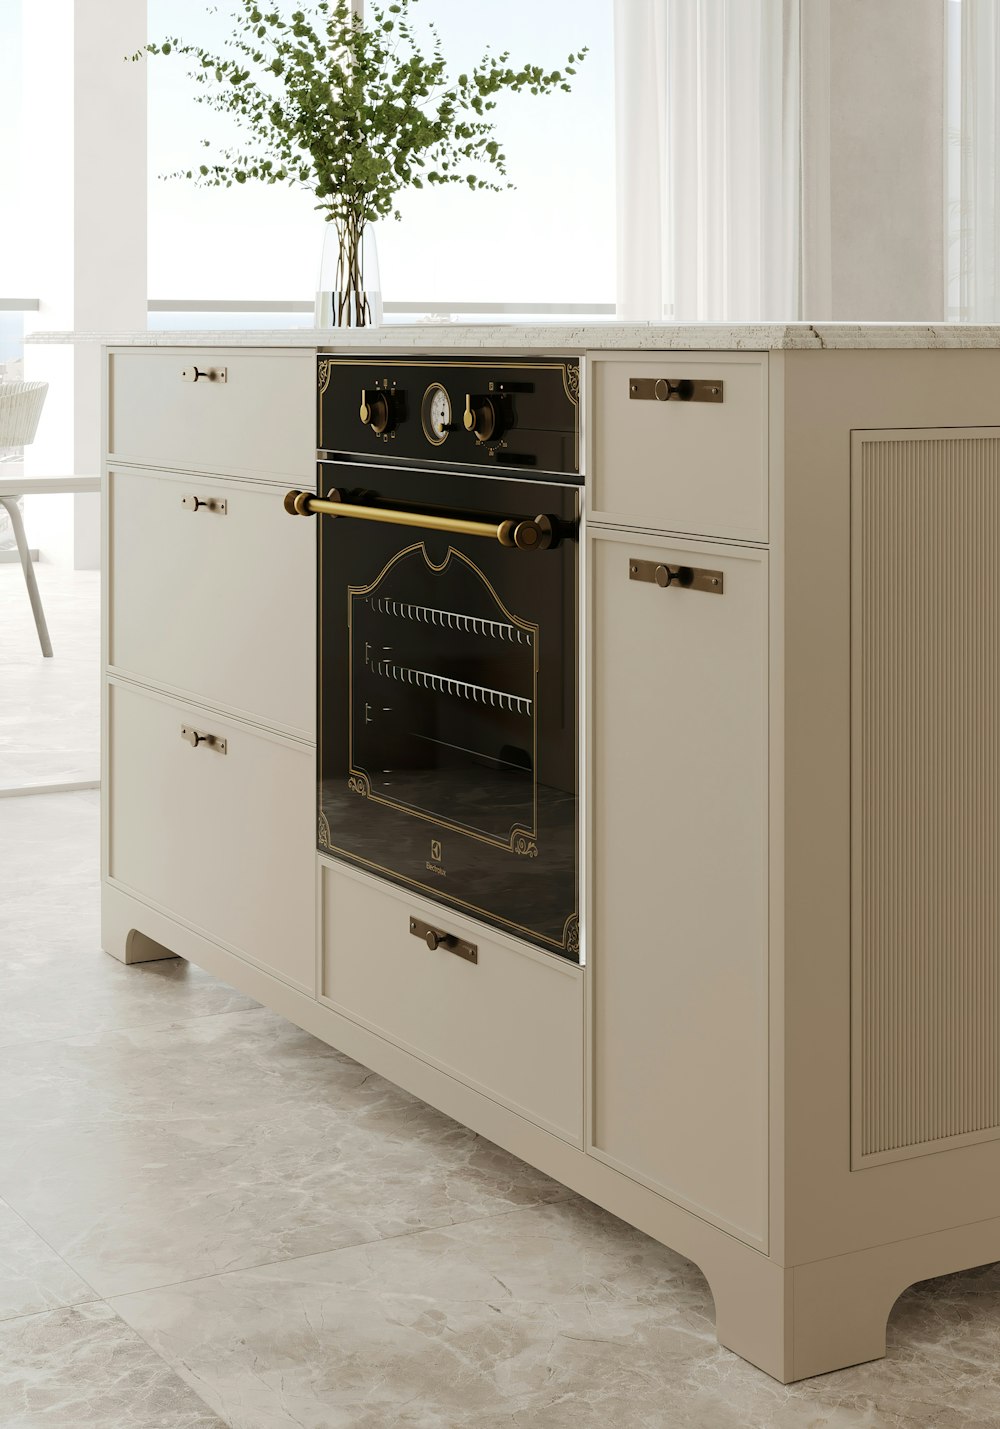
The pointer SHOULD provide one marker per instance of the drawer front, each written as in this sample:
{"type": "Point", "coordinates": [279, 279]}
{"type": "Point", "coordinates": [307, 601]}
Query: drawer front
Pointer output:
{"type": "Point", "coordinates": [224, 841]}
{"type": "Point", "coordinates": [218, 599]}
{"type": "Point", "coordinates": [510, 1024]}
{"type": "Point", "coordinates": [688, 466]}
{"type": "Point", "coordinates": [261, 419]}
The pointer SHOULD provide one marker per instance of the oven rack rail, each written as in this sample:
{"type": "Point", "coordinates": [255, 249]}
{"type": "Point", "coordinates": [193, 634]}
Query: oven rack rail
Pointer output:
{"type": "Point", "coordinates": [445, 685]}
{"type": "Point", "coordinates": [451, 620]}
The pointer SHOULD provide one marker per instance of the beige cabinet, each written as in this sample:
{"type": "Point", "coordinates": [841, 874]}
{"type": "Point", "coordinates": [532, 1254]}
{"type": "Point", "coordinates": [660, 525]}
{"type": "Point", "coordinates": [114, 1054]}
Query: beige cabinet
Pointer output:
{"type": "Point", "coordinates": [199, 409]}
{"type": "Point", "coordinates": [679, 832]}
{"type": "Point", "coordinates": [693, 466]}
{"type": "Point", "coordinates": [209, 642]}
{"type": "Point", "coordinates": [509, 1023]}
{"type": "Point", "coordinates": [206, 821]}
{"type": "Point", "coordinates": [212, 592]}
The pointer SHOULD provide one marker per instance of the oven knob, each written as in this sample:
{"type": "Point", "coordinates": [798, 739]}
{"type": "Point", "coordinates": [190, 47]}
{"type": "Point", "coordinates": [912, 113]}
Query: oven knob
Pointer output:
{"type": "Point", "coordinates": [378, 410]}
{"type": "Point", "coordinates": [481, 417]}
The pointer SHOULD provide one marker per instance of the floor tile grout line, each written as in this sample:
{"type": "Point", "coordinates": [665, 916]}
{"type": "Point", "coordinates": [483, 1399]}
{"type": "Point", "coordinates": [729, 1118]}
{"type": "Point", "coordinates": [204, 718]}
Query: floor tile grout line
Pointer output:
{"type": "Point", "coordinates": [333, 1250]}
{"type": "Point", "coordinates": [177, 1369]}
{"type": "Point", "coordinates": [94, 1299]}
{"type": "Point", "coordinates": [59, 1256]}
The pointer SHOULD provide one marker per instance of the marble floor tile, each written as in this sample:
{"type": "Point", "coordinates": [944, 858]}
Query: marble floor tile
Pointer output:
{"type": "Point", "coordinates": [50, 709]}
{"type": "Point", "coordinates": [32, 1276]}
{"type": "Point", "coordinates": [66, 991]}
{"type": "Point", "coordinates": [84, 1369]}
{"type": "Point", "coordinates": [229, 1141]}
{"type": "Point", "coordinates": [57, 982]}
{"type": "Point", "coordinates": [51, 849]}
{"type": "Point", "coordinates": [558, 1316]}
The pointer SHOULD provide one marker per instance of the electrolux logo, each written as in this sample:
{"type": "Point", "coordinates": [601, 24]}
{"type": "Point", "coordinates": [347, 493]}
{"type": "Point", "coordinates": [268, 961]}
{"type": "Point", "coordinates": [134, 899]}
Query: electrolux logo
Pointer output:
{"type": "Point", "coordinates": [433, 864]}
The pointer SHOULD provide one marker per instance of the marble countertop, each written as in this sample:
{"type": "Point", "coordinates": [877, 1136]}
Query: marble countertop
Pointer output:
{"type": "Point", "coordinates": [564, 337]}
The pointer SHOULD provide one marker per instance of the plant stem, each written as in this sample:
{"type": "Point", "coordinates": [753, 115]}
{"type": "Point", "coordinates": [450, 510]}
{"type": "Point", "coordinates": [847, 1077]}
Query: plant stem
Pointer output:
{"type": "Point", "coordinates": [352, 301]}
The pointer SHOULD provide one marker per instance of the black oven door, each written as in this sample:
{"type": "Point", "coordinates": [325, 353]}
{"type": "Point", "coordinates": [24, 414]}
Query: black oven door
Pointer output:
{"type": "Point", "coordinates": [448, 752]}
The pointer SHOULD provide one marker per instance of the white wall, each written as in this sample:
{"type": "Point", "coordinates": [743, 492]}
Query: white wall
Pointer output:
{"type": "Point", "coordinates": [85, 110]}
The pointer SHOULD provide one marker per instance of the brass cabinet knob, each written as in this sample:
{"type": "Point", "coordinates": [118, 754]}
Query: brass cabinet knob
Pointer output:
{"type": "Point", "coordinates": [665, 576]}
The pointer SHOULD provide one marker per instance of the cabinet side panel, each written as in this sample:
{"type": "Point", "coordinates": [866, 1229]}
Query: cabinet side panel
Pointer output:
{"type": "Point", "coordinates": [926, 790]}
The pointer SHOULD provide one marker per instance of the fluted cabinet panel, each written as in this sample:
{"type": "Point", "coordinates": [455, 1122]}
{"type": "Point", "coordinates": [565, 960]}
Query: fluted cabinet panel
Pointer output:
{"type": "Point", "coordinates": [925, 790]}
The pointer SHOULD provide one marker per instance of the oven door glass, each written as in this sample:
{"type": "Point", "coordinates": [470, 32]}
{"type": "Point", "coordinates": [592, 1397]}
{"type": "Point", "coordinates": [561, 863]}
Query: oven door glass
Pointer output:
{"type": "Point", "coordinates": [448, 698]}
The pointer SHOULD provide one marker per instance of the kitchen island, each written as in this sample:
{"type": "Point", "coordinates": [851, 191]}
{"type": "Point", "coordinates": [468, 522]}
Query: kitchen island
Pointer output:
{"type": "Point", "coordinates": [779, 1052]}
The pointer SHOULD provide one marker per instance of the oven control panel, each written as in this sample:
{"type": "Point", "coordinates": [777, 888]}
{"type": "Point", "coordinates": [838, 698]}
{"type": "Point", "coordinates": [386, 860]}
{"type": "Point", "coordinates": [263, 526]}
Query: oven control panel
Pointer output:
{"type": "Point", "coordinates": [520, 414]}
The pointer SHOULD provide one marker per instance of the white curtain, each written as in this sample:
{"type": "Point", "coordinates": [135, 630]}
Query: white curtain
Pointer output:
{"type": "Point", "coordinates": [708, 148]}
{"type": "Point", "coordinates": [974, 149]}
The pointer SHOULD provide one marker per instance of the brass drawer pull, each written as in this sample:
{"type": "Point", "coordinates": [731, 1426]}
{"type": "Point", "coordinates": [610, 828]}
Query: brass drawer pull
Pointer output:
{"type": "Point", "coordinates": [210, 741]}
{"type": "Point", "coordinates": [684, 577]}
{"type": "Point", "coordinates": [210, 374]}
{"type": "Point", "coordinates": [435, 938]}
{"type": "Point", "coordinates": [208, 503]}
{"type": "Point", "coordinates": [674, 389]}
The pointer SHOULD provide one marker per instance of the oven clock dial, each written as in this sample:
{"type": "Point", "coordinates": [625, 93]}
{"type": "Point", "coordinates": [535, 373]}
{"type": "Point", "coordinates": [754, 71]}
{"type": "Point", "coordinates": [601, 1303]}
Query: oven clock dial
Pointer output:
{"type": "Point", "coordinates": [436, 414]}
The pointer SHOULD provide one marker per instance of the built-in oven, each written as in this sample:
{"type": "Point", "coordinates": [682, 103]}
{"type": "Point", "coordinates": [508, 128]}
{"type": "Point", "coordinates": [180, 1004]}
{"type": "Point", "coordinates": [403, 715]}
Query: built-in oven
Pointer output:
{"type": "Point", "coordinates": [448, 500]}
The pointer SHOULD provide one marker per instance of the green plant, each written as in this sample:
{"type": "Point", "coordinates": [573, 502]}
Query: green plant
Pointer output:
{"type": "Point", "coordinates": [352, 109]}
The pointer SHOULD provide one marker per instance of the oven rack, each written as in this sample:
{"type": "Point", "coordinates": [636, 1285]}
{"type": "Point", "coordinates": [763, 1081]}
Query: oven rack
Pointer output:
{"type": "Point", "coordinates": [445, 685]}
{"type": "Point", "coordinates": [451, 620]}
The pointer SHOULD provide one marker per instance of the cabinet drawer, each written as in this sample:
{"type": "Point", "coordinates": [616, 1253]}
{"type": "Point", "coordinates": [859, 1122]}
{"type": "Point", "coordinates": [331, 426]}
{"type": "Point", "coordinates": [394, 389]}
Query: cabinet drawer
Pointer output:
{"type": "Point", "coordinates": [510, 1025]}
{"type": "Point", "coordinates": [260, 420]}
{"type": "Point", "coordinates": [221, 606]}
{"type": "Point", "coordinates": [694, 467]}
{"type": "Point", "coordinates": [223, 841]}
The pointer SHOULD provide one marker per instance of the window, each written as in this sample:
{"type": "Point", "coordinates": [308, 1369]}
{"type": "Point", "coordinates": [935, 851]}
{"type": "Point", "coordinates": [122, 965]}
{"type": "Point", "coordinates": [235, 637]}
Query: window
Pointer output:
{"type": "Point", "coordinates": [550, 241]}
{"type": "Point", "coordinates": [12, 217]}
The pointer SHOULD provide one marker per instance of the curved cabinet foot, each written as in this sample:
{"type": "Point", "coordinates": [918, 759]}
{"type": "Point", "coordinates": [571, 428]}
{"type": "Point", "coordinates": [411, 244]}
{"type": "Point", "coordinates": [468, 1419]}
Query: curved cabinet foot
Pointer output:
{"type": "Point", "coordinates": [122, 939]}
{"type": "Point", "coordinates": [829, 1314]}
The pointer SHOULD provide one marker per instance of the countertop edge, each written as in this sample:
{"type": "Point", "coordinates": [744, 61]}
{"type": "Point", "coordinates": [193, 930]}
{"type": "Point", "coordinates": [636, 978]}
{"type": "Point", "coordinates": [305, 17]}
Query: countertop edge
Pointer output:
{"type": "Point", "coordinates": [565, 338]}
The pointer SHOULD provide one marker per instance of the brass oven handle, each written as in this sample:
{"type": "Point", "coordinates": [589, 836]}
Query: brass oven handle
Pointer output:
{"type": "Point", "coordinates": [528, 535]}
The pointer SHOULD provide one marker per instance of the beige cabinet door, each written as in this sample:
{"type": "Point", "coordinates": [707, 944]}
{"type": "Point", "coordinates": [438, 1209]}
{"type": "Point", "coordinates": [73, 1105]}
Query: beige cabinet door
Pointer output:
{"type": "Point", "coordinates": [678, 924]}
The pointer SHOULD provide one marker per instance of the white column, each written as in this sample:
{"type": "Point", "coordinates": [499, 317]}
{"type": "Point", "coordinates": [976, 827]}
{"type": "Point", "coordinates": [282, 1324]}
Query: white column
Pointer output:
{"type": "Point", "coordinates": [85, 125]}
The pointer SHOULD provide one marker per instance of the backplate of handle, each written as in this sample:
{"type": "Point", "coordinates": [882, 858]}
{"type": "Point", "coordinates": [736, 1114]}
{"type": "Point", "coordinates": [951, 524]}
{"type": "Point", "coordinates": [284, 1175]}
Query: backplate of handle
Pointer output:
{"type": "Point", "coordinates": [204, 374]}
{"type": "Point", "coordinates": [196, 737]}
{"type": "Point", "coordinates": [217, 504]}
{"type": "Point", "coordinates": [667, 576]}
{"type": "Point", "coordinates": [674, 389]}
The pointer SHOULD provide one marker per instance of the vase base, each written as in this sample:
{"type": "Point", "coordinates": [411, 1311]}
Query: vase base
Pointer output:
{"type": "Point", "coordinates": [333, 309]}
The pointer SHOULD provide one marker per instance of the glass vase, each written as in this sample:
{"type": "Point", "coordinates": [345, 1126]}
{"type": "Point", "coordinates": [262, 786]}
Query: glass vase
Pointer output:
{"type": "Point", "coordinates": [349, 291]}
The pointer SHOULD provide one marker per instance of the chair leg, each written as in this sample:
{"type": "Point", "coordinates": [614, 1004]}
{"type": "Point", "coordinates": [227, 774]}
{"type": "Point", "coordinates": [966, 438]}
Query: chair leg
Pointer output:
{"type": "Point", "coordinates": [10, 505]}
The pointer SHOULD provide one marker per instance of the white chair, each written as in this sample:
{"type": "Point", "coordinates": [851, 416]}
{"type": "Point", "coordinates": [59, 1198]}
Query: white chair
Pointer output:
{"type": "Point", "coordinates": [20, 408]}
